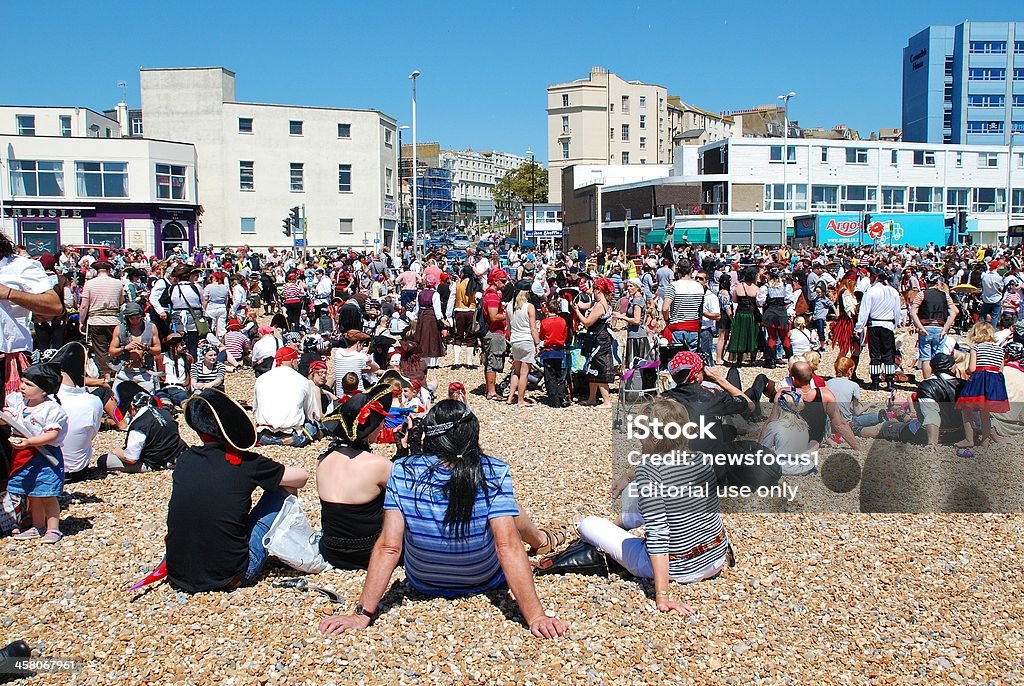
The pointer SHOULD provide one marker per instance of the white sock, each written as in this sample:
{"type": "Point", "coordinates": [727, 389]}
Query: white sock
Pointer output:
{"type": "Point", "coordinates": [458, 354]}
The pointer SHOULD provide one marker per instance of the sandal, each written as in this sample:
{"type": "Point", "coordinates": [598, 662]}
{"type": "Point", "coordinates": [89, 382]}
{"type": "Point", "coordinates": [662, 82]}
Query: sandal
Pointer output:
{"type": "Point", "coordinates": [554, 538]}
{"type": "Point", "coordinates": [52, 536]}
{"type": "Point", "coordinates": [26, 535]}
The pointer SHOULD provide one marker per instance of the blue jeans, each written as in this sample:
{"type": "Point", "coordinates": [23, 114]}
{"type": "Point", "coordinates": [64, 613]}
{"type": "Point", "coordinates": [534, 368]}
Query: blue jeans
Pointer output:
{"type": "Point", "coordinates": [260, 520]}
{"type": "Point", "coordinates": [300, 437]}
{"type": "Point", "coordinates": [706, 347]}
{"type": "Point", "coordinates": [176, 395]}
{"type": "Point", "coordinates": [688, 337]}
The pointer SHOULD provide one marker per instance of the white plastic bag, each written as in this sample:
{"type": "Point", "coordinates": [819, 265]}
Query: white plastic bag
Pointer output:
{"type": "Point", "coordinates": [292, 540]}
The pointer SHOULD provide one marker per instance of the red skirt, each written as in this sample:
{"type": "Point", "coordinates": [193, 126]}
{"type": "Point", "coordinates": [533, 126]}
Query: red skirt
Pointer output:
{"type": "Point", "coordinates": [842, 336]}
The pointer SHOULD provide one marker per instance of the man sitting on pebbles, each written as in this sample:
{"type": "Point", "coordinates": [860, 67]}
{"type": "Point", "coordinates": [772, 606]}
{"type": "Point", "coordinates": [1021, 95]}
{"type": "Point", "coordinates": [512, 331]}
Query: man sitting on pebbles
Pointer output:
{"type": "Point", "coordinates": [285, 404]}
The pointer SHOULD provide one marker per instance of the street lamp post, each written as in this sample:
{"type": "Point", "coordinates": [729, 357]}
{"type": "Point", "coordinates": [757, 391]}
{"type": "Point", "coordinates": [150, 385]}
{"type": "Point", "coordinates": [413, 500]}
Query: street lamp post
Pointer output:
{"type": "Point", "coordinates": [414, 75]}
{"type": "Point", "coordinates": [1009, 182]}
{"type": "Point", "coordinates": [533, 195]}
{"type": "Point", "coordinates": [785, 159]}
{"type": "Point", "coordinates": [401, 198]}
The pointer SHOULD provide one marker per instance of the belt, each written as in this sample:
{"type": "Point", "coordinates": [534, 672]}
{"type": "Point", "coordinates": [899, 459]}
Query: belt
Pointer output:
{"type": "Point", "coordinates": [932, 322]}
{"type": "Point", "coordinates": [701, 548]}
{"type": "Point", "coordinates": [986, 368]}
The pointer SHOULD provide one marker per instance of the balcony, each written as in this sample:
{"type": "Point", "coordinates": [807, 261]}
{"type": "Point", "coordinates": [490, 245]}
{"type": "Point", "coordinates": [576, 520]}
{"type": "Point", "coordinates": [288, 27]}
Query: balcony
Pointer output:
{"type": "Point", "coordinates": [565, 133]}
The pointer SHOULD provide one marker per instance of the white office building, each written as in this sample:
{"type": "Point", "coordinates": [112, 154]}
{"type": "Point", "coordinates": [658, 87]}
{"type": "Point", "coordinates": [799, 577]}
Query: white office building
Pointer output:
{"type": "Point", "coordinates": [475, 173]}
{"type": "Point", "coordinates": [748, 176]}
{"type": "Point", "coordinates": [257, 161]}
{"type": "Point", "coordinates": [67, 177]}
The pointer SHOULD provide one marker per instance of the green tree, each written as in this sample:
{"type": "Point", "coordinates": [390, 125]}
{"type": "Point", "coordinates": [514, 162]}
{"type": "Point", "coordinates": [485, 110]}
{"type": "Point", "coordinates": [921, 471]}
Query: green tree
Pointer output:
{"type": "Point", "coordinates": [528, 183]}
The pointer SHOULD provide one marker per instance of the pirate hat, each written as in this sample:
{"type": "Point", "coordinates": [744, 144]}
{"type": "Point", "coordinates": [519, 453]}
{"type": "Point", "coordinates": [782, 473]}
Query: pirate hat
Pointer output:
{"type": "Point", "coordinates": [71, 360]}
{"type": "Point", "coordinates": [393, 375]}
{"type": "Point", "coordinates": [361, 414]}
{"type": "Point", "coordinates": [46, 375]}
{"type": "Point", "coordinates": [213, 413]}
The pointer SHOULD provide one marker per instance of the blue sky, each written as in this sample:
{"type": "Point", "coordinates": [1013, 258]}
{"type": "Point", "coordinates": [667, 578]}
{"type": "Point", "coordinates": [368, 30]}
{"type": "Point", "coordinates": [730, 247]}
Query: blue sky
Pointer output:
{"type": "Point", "coordinates": [485, 66]}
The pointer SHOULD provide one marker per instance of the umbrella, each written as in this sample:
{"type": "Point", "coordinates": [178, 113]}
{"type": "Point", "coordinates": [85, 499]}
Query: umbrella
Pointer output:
{"type": "Point", "coordinates": [966, 288]}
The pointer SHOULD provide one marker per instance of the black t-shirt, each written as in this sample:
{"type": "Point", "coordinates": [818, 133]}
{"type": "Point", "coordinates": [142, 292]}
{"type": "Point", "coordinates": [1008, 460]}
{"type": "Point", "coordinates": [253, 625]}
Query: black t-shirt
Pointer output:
{"type": "Point", "coordinates": [713, 405]}
{"type": "Point", "coordinates": [207, 517]}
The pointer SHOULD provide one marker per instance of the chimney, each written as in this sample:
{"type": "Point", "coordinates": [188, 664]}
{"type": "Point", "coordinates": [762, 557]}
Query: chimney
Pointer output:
{"type": "Point", "coordinates": [122, 119]}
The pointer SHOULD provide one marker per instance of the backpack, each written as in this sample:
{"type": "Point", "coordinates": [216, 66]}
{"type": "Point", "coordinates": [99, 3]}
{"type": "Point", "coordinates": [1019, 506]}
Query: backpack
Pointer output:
{"type": "Point", "coordinates": [165, 297]}
{"type": "Point", "coordinates": [801, 305]}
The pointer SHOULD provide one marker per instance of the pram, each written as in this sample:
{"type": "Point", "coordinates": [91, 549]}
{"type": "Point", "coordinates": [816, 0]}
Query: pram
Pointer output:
{"type": "Point", "coordinates": [638, 384]}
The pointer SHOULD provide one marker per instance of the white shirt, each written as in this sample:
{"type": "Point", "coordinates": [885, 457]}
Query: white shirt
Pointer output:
{"type": "Point", "coordinates": [45, 416]}
{"type": "Point", "coordinates": [23, 274]}
{"type": "Point", "coordinates": [266, 346]}
{"type": "Point", "coordinates": [284, 400]}
{"type": "Point", "coordinates": [85, 412]}
{"type": "Point", "coordinates": [880, 305]}
{"type": "Point", "coordinates": [348, 360]}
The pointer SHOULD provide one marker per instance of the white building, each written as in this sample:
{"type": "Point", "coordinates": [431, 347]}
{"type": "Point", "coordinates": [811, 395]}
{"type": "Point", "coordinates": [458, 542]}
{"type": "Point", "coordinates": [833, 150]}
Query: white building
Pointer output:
{"type": "Point", "coordinates": [475, 173]}
{"type": "Point", "coordinates": [67, 177]}
{"type": "Point", "coordinates": [745, 175]}
{"type": "Point", "coordinates": [259, 160]}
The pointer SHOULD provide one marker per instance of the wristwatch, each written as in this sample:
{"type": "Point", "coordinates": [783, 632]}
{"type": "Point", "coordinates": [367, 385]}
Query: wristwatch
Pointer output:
{"type": "Point", "coordinates": [360, 610]}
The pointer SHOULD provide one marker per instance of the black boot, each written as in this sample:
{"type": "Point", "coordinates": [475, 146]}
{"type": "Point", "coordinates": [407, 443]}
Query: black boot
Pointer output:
{"type": "Point", "coordinates": [788, 350]}
{"type": "Point", "coordinates": [873, 386]}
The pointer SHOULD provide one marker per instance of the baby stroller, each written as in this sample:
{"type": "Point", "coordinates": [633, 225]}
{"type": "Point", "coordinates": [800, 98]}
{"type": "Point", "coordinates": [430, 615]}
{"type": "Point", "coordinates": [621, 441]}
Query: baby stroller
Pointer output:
{"type": "Point", "coordinates": [638, 385]}
{"type": "Point", "coordinates": [535, 380]}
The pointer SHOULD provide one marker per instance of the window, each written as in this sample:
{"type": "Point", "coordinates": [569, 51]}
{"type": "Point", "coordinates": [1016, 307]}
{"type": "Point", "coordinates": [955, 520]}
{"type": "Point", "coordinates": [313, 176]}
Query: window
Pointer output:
{"type": "Point", "coordinates": [170, 182]}
{"type": "Point", "coordinates": [986, 74]}
{"type": "Point", "coordinates": [642, 101]}
{"type": "Point", "coordinates": [65, 126]}
{"type": "Point", "coordinates": [643, 160]}
{"type": "Point", "coordinates": [248, 225]}
{"type": "Point", "coordinates": [924, 158]}
{"type": "Point", "coordinates": [108, 132]}
{"type": "Point", "coordinates": [1018, 74]}
{"type": "Point", "coordinates": [246, 176]}
{"type": "Point", "coordinates": [389, 182]}
{"type": "Point", "coordinates": [858, 199]}
{"type": "Point", "coordinates": [856, 155]}
{"type": "Point", "coordinates": [611, 107]}
{"type": "Point", "coordinates": [894, 158]}
{"type": "Point", "coordinates": [346, 226]}
{"type": "Point", "coordinates": [40, 237]}
{"type": "Point", "coordinates": [1018, 101]}
{"type": "Point", "coordinates": [988, 159]}
{"type": "Point", "coordinates": [775, 154]}
{"type": "Point", "coordinates": [611, 134]}
{"type": "Point", "coordinates": [387, 137]}
{"type": "Point", "coordinates": [1018, 201]}
{"type": "Point", "coordinates": [988, 47]}
{"type": "Point", "coordinates": [295, 177]}
{"type": "Point", "coordinates": [643, 142]}
{"type": "Point", "coordinates": [565, 100]}
{"type": "Point", "coordinates": [565, 150]}
{"type": "Point", "coordinates": [102, 179]}
{"type": "Point", "coordinates": [796, 197]}
{"type": "Point", "coordinates": [958, 199]}
{"type": "Point", "coordinates": [1018, 48]}
{"type": "Point", "coordinates": [625, 132]}
{"type": "Point", "coordinates": [1020, 159]}
{"type": "Point", "coordinates": [26, 125]}
{"type": "Point", "coordinates": [565, 124]}
{"type": "Point", "coordinates": [625, 157]}
{"type": "Point", "coordinates": [824, 154]}
{"type": "Point", "coordinates": [989, 200]}
{"type": "Point", "coordinates": [295, 127]}
{"type": "Point", "coordinates": [105, 233]}
{"type": "Point", "coordinates": [643, 121]}
{"type": "Point", "coordinates": [984, 127]}
{"type": "Point", "coordinates": [245, 125]}
{"type": "Point", "coordinates": [959, 160]}
{"type": "Point", "coordinates": [985, 100]}
{"type": "Point", "coordinates": [894, 199]}
{"type": "Point", "coordinates": [925, 199]}
{"type": "Point", "coordinates": [37, 178]}
{"type": "Point", "coordinates": [344, 178]}
{"type": "Point", "coordinates": [136, 127]}
{"type": "Point", "coordinates": [344, 130]}
{"type": "Point", "coordinates": [625, 104]}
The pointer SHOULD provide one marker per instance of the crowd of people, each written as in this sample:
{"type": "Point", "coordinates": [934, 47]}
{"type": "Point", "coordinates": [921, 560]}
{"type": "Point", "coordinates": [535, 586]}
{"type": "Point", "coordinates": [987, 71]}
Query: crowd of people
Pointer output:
{"type": "Point", "coordinates": [347, 348]}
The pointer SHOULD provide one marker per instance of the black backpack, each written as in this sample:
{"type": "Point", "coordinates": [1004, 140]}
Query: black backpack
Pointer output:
{"type": "Point", "coordinates": [165, 297]}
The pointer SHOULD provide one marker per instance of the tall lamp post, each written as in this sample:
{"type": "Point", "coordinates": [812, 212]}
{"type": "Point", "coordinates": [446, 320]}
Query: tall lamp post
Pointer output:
{"type": "Point", "coordinates": [401, 198]}
{"type": "Point", "coordinates": [414, 75]}
{"type": "Point", "coordinates": [1009, 181]}
{"type": "Point", "coordinates": [533, 195]}
{"type": "Point", "coordinates": [785, 159]}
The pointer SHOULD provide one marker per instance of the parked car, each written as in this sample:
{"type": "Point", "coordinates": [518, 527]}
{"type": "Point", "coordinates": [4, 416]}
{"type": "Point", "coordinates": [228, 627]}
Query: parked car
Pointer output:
{"type": "Point", "coordinates": [455, 256]}
{"type": "Point", "coordinates": [460, 242]}
{"type": "Point", "coordinates": [485, 245]}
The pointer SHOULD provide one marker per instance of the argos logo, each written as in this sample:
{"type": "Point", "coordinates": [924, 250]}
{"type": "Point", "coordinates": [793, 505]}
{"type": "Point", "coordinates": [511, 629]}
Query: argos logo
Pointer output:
{"type": "Point", "coordinates": [844, 228]}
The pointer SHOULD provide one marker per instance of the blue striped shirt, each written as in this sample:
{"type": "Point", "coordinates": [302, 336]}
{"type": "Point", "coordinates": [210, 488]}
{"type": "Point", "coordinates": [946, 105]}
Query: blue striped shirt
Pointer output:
{"type": "Point", "coordinates": [436, 562]}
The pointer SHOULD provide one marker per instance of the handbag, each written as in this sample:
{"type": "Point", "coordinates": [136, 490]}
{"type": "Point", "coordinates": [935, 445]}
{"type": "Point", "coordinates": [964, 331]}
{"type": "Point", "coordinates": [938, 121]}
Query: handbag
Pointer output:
{"type": "Point", "coordinates": [202, 322]}
{"type": "Point", "coordinates": [579, 558]}
{"type": "Point", "coordinates": [292, 540]}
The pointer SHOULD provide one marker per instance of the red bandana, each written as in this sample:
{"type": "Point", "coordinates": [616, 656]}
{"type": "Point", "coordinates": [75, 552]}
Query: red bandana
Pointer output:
{"type": "Point", "coordinates": [372, 406]}
{"type": "Point", "coordinates": [230, 454]}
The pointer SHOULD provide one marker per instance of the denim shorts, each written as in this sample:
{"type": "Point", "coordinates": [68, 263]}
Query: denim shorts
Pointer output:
{"type": "Point", "coordinates": [931, 344]}
{"type": "Point", "coordinates": [39, 478]}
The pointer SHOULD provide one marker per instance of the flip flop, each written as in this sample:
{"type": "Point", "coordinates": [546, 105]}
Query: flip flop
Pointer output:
{"type": "Point", "coordinates": [52, 536]}
{"type": "Point", "coordinates": [26, 535]}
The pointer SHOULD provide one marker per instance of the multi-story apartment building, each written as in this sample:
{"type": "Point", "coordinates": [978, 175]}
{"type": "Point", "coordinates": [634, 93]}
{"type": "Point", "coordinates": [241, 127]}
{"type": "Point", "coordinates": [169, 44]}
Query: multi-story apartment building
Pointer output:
{"type": "Point", "coordinates": [68, 177]}
{"type": "Point", "coordinates": [690, 125]}
{"type": "Point", "coordinates": [474, 175]}
{"type": "Point", "coordinates": [259, 160]}
{"type": "Point", "coordinates": [964, 84]}
{"type": "Point", "coordinates": [604, 119]}
{"type": "Point", "coordinates": [745, 175]}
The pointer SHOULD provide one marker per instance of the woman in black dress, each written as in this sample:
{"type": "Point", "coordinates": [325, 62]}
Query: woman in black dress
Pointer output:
{"type": "Point", "coordinates": [597, 318]}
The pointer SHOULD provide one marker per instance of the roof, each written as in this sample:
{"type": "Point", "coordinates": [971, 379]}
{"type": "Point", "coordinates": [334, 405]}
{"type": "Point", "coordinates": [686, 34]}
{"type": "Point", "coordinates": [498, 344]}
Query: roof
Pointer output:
{"type": "Point", "coordinates": [223, 69]}
{"type": "Point", "coordinates": [692, 133]}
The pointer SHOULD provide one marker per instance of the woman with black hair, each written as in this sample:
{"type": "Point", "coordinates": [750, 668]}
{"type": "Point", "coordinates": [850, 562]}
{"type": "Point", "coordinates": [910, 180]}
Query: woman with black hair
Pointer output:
{"type": "Point", "coordinates": [453, 513]}
{"type": "Point", "coordinates": [745, 327]}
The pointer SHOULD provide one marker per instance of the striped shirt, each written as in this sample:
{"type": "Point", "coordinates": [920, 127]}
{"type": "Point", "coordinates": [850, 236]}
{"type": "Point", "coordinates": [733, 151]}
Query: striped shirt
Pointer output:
{"type": "Point", "coordinates": [988, 354]}
{"type": "Point", "coordinates": [236, 343]}
{"type": "Point", "coordinates": [102, 294]}
{"type": "Point", "coordinates": [291, 292]}
{"type": "Point", "coordinates": [678, 521]}
{"type": "Point", "coordinates": [202, 374]}
{"type": "Point", "coordinates": [437, 563]}
{"type": "Point", "coordinates": [345, 362]}
{"type": "Point", "coordinates": [687, 298]}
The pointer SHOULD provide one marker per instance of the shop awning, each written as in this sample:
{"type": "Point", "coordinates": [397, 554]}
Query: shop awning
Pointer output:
{"type": "Point", "coordinates": [699, 236]}
{"type": "Point", "coordinates": [655, 237]}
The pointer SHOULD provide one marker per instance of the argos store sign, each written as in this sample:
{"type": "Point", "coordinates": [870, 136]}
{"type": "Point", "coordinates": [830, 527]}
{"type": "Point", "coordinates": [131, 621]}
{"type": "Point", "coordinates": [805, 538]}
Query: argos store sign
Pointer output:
{"type": "Point", "coordinates": [839, 229]}
{"type": "Point", "coordinates": [912, 228]}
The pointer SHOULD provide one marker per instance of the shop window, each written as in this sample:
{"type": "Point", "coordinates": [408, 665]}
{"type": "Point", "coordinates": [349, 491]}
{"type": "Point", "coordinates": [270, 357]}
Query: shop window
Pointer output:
{"type": "Point", "coordinates": [40, 237]}
{"type": "Point", "coordinates": [105, 233]}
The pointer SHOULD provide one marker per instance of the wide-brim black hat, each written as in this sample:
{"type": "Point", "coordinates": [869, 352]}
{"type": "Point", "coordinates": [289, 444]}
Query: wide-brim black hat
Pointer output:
{"type": "Point", "coordinates": [392, 376]}
{"type": "Point", "coordinates": [361, 414]}
{"type": "Point", "coordinates": [236, 427]}
{"type": "Point", "coordinates": [46, 375]}
{"type": "Point", "coordinates": [71, 360]}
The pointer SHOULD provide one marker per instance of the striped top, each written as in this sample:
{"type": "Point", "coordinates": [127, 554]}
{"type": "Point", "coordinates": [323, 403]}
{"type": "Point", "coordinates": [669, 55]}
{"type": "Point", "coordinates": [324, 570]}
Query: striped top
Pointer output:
{"type": "Point", "coordinates": [291, 292]}
{"type": "Point", "coordinates": [988, 354]}
{"type": "Point", "coordinates": [687, 297]}
{"type": "Point", "coordinates": [236, 343]}
{"type": "Point", "coordinates": [345, 362]}
{"type": "Point", "coordinates": [437, 563]}
{"type": "Point", "coordinates": [679, 520]}
{"type": "Point", "coordinates": [202, 374]}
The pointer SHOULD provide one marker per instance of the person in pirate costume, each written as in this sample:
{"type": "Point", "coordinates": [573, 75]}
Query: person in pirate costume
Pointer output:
{"type": "Point", "coordinates": [214, 535]}
{"type": "Point", "coordinates": [879, 314]}
{"type": "Point", "coordinates": [85, 410]}
{"type": "Point", "coordinates": [350, 479]}
{"type": "Point", "coordinates": [152, 443]}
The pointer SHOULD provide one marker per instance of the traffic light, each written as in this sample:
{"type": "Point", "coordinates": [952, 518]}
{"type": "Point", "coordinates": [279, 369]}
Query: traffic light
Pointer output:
{"type": "Point", "coordinates": [294, 216]}
{"type": "Point", "coordinates": [867, 220]}
{"type": "Point", "coordinates": [287, 224]}
{"type": "Point", "coordinates": [290, 222]}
